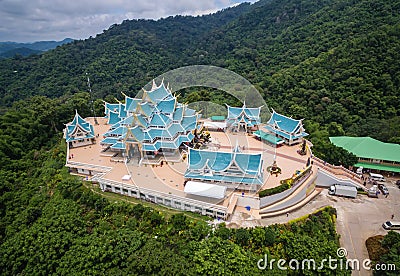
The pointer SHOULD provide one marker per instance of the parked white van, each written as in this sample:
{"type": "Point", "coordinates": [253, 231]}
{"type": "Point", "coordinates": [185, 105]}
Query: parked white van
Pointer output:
{"type": "Point", "coordinates": [377, 177]}
{"type": "Point", "coordinates": [391, 225]}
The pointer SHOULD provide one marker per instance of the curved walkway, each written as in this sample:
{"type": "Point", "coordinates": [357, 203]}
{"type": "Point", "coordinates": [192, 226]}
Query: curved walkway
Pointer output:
{"type": "Point", "coordinates": [326, 179]}
{"type": "Point", "coordinates": [301, 192]}
{"type": "Point", "coordinates": [336, 170]}
{"type": "Point", "coordinates": [295, 206]}
{"type": "Point", "coordinates": [305, 192]}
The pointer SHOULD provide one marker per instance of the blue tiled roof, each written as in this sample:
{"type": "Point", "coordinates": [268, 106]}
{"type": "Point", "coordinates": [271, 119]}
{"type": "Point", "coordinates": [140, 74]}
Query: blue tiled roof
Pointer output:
{"type": "Point", "coordinates": [284, 134]}
{"type": "Point", "coordinates": [189, 136]}
{"type": "Point", "coordinates": [169, 144]}
{"type": "Point", "coordinates": [224, 178]}
{"type": "Point", "coordinates": [284, 123]}
{"type": "Point", "coordinates": [120, 131]}
{"type": "Point", "coordinates": [141, 135]}
{"type": "Point", "coordinates": [158, 94]}
{"type": "Point", "coordinates": [278, 132]}
{"type": "Point", "coordinates": [86, 127]}
{"type": "Point", "coordinates": [111, 107]}
{"type": "Point", "coordinates": [78, 123]}
{"type": "Point", "coordinates": [155, 132]}
{"type": "Point", "coordinates": [113, 118]}
{"type": "Point", "coordinates": [242, 119]}
{"type": "Point", "coordinates": [127, 121]}
{"type": "Point", "coordinates": [178, 114]}
{"type": "Point", "coordinates": [151, 147]}
{"type": "Point", "coordinates": [118, 145]}
{"type": "Point", "coordinates": [115, 125]}
{"type": "Point", "coordinates": [234, 112]}
{"type": "Point", "coordinates": [172, 130]}
{"type": "Point", "coordinates": [160, 119]}
{"type": "Point", "coordinates": [249, 163]}
{"type": "Point", "coordinates": [268, 137]}
{"type": "Point", "coordinates": [131, 104]}
{"type": "Point", "coordinates": [247, 115]}
{"type": "Point", "coordinates": [189, 112]}
{"type": "Point", "coordinates": [146, 108]}
{"type": "Point", "coordinates": [252, 113]}
{"type": "Point", "coordinates": [138, 134]}
{"type": "Point", "coordinates": [109, 140]}
{"type": "Point", "coordinates": [221, 161]}
{"type": "Point", "coordinates": [141, 120]}
{"type": "Point", "coordinates": [189, 122]}
{"type": "Point", "coordinates": [78, 120]}
{"type": "Point", "coordinates": [155, 117]}
{"type": "Point", "coordinates": [122, 112]}
{"type": "Point", "coordinates": [158, 144]}
{"type": "Point", "coordinates": [167, 106]}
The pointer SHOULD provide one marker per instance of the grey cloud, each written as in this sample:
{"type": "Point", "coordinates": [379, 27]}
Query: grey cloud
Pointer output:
{"type": "Point", "coordinates": [33, 20]}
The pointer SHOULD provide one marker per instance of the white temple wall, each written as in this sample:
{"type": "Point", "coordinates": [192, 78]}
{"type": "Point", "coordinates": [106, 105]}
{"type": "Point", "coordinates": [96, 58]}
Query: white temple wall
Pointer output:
{"type": "Point", "coordinates": [83, 171]}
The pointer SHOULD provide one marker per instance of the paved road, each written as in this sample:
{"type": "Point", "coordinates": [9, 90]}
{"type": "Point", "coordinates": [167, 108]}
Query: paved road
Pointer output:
{"type": "Point", "coordinates": [358, 219]}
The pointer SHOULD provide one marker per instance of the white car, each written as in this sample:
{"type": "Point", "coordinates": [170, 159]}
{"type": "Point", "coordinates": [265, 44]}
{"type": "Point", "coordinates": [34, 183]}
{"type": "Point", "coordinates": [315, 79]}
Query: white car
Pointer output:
{"type": "Point", "coordinates": [391, 225]}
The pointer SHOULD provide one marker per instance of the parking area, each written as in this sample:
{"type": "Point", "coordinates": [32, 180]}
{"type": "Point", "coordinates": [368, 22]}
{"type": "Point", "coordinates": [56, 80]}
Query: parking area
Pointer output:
{"type": "Point", "coordinates": [357, 219]}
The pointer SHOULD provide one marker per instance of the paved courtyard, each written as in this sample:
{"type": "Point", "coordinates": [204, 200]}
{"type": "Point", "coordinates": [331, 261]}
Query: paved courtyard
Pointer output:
{"type": "Point", "coordinates": [169, 178]}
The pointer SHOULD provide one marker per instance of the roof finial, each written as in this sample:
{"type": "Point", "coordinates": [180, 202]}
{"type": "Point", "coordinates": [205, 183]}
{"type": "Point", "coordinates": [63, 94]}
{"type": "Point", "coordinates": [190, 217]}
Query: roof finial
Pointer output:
{"type": "Point", "coordinates": [154, 86]}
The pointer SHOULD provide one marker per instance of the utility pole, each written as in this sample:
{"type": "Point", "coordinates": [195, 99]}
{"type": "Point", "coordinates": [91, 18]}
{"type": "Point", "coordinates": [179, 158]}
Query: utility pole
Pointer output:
{"type": "Point", "coordinates": [91, 100]}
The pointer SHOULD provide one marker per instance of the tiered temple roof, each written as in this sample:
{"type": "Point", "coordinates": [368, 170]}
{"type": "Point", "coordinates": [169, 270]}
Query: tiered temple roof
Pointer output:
{"type": "Point", "coordinates": [230, 167]}
{"type": "Point", "coordinates": [156, 121]}
{"type": "Point", "coordinates": [289, 129]}
{"type": "Point", "coordinates": [78, 130]}
{"type": "Point", "coordinates": [243, 116]}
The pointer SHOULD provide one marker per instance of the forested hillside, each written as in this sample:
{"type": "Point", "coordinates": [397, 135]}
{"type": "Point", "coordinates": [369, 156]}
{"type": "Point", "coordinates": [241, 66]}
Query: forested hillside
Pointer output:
{"type": "Point", "coordinates": [326, 61]}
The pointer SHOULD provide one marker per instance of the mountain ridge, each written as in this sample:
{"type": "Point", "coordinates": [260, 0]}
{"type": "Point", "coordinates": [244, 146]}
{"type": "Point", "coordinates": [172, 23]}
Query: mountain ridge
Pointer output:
{"type": "Point", "coordinates": [10, 48]}
{"type": "Point", "coordinates": [283, 47]}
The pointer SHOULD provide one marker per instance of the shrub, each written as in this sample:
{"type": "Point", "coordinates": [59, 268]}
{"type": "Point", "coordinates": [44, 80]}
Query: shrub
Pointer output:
{"type": "Point", "coordinates": [275, 190]}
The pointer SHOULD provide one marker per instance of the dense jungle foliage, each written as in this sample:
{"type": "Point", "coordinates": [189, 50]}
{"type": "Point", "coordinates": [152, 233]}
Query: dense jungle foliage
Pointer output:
{"type": "Point", "coordinates": [384, 252]}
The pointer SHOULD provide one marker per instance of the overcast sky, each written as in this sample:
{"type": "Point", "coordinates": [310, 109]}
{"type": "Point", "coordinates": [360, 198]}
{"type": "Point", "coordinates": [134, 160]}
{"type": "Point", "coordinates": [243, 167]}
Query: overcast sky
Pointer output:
{"type": "Point", "coordinates": [34, 20]}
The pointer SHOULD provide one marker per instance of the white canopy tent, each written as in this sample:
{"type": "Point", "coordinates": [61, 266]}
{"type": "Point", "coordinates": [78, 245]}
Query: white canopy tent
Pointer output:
{"type": "Point", "coordinates": [205, 189]}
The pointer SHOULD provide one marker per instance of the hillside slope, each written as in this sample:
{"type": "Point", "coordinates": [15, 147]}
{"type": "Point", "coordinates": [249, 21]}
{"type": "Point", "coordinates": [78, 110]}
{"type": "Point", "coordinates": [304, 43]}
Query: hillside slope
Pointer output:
{"type": "Point", "coordinates": [329, 61]}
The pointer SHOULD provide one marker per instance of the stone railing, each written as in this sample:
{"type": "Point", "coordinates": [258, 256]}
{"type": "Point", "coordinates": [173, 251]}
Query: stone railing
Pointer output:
{"type": "Point", "coordinates": [88, 166]}
{"type": "Point", "coordinates": [337, 170]}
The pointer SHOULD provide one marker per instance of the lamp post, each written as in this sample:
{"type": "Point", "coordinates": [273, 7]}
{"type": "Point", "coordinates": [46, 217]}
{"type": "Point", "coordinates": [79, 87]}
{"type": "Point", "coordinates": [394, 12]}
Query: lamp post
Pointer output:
{"type": "Point", "coordinates": [91, 99]}
{"type": "Point", "coordinates": [276, 139]}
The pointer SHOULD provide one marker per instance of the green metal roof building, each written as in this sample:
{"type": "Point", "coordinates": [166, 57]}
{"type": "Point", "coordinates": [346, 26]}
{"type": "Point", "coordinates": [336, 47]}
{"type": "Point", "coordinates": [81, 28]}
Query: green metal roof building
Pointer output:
{"type": "Point", "coordinates": [371, 153]}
